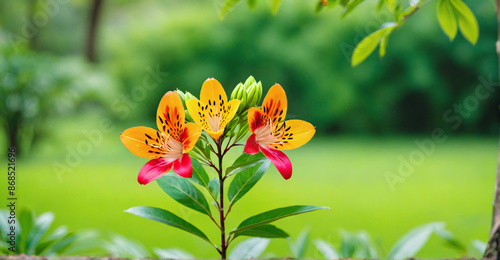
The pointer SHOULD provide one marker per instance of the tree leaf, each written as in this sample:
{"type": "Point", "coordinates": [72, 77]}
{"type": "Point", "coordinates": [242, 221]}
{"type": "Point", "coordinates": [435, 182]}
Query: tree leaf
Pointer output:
{"type": "Point", "coordinates": [466, 21]}
{"type": "Point", "coordinates": [350, 7]}
{"type": "Point", "coordinates": [200, 176]}
{"type": "Point", "coordinates": [184, 192]}
{"type": "Point", "coordinates": [245, 180]}
{"type": "Point", "coordinates": [273, 215]}
{"type": "Point", "coordinates": [391, 4]}
{"type": "Point", "coordinates": [326, 249]}
{"type": "Point", "coordinates": [275, 6]}
{"type": "Point", "coordinates": [447, 19]}
{"type": "Point", "coordinates": [226, 7]}
{"type": "Point", "coordinates": [369, 43]}
{"type": "Point", "coordinates": [244, 162]}
{"type": "Point", "coordinates": [168, 218]}
{"type": "Point", "coordinates": [413, 241]}
{"type": "Point", "coordinates": [265, 231]}
{"type": "Point", "coordinates": [214, 186]}
{"type": "Point", "coordinates": [250, 248]}
{"type": "Point", "coordinates": [384, 41]}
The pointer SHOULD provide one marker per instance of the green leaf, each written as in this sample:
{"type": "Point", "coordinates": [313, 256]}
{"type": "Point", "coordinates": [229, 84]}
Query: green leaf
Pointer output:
{"type": "Point", "coordinates": [300, 246]}
{"type": "Point", "coordinates": [451, 240]}
{"type": "Point", "coordinates": [385, 40]}
{"type": "Point", "coordinates": [351, 6]}
{"type": "Point", "coordinates": [251, 3]}
{"type": "Point", "coordinates": [173, 253]}
{"type": "Point", "coordinates": [275, 6]}
{"type": "Point", "coordinates": [265, 231]}
{"type": "Point", "coordinates": [200, 176]}
{"type": "Point", "coordinates": [42, 224]}
{"type": "Point", "coordinates": [479, 245]}
{"type": "Point", "coordinates": [244, 162]}
{"type": "Point", "coordinates": [413, 241]}
{"type": "Point", "coordinates": [245, 180]}
{"type": "Point", "coordinates": [366, 249]}
{"type": "Point", "coordinates": [27, 221]}
{"type": "Point", "coordinates": [466, 21]}
{"type": "Point", "coordinates": [348, 244]}
{"type": "Point", "coordinates": [447, 19]}
{"type": "Point", "coordinates": [184, 192]}
{"type": "Point", "coordinates": [250, 248]}
{"type": "Point", "coordinates": [326, 249]}
{"type": "Point", "coordinates": [391, 4]}
{"type": "Point", "coordinates": [273, 215]}
{"type": "Point", "coordinates": [214, 186]}
{"type": "Point", "coordinates": [226, 7]}
{"type": "Point", "coordinates": [369, 43]}
{"type": "Point", "coordinates": [57, 234]}
{"type": "Point", "coordinates": [168, 218]}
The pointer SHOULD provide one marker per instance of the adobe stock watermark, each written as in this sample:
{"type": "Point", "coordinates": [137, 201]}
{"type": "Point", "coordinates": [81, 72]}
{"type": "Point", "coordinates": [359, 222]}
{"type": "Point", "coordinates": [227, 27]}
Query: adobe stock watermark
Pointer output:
{"type": "Point", "coordinates": [380, 17]}
{"type": "Point", "coordinates": [453, 116]}
{"type": "Point", "coordinates": [92, 138]}
{"type": "Point", "coordinates": [31, 27]}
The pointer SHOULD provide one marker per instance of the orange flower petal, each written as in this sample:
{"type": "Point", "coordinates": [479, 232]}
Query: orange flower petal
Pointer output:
{"type": "Point", "coordinates": [190, 135]}
{"type": "Point", "coordinates": [296, 133]}
{"type": "Point", "coordinates": [275, 104]}
{"type": "Point", "coordinates": [143, 142]}
{"type": "Point", "coordinates": [170, 115]}
{"type": "Point", "coordinates": [255, 118]}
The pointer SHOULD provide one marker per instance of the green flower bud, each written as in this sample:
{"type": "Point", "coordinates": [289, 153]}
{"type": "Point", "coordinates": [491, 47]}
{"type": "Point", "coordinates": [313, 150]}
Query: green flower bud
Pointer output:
{"type": "Point", "coordinates": [234, 94]}
{"type": "Point", "coordinates": [250, 81]}
{"type": "Point", "coordinates": [189, 96]}
{"type": "Point", "coordinates": [182, 96]}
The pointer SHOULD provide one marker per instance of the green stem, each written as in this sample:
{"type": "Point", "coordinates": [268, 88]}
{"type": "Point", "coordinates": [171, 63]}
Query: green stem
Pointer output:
{"type": "Point", "coordinates": [220, 155]}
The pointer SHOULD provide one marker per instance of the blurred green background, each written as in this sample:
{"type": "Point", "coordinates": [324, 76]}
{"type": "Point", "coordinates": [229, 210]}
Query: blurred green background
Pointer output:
{"type": "Point", "coordinates": [65, 113]}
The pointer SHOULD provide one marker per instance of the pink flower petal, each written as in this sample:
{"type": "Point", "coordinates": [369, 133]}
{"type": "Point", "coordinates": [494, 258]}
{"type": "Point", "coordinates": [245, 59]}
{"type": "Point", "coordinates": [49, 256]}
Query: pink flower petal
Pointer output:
{"type": "Point", "coordinates": [280, 160]}
{"type": "Point", "coordinates": [252, 147]}
{"type": "Point", "coordinates": [183, 166]}
{"type": "Point", "coordinates": [153, 170]}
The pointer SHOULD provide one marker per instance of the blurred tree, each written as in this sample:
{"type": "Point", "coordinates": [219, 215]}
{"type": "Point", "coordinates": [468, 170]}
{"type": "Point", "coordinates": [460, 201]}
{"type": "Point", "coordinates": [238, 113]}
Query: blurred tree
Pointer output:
{"type": "Point", "coordinates": [95, 12]}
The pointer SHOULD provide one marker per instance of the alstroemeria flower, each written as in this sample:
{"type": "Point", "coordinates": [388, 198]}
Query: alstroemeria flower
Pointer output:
{"type": "Point", "coordinates": [271, 134]}
{"type": "Point", "coordinates": [212, 112]}
{"type": "Point", "coordinates": [168, 148]}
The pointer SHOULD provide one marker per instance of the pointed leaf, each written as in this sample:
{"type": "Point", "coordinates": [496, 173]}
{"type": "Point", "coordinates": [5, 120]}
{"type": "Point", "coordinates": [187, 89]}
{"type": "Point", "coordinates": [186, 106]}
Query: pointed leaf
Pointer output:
{"type": "Point", "coordinates": [265, 231]}
{"type": "Point", "coordinates": [184, 192]}
{"type": "Point", "coordinates": [214, 186]}
{"type": "Point", "coordinates": [226, 7]}
{"type": "Point", "coordinates": [273, 215]}
{"type": "Point", "coordinates": [168, 218]}
{"type": "Point", "coordinates": [447, 19]}
{"type": "Point", "coordinates": [368, 44]}
{"type": "Point", "coordinates": [326, 249]}
{"type": "Point", "coordinates": [200, 176]}
{"type": "Point", "coordinates": [466, 21]}
{"type": "Point", "coordinates": [250, 248]}
{"type": "Point", "coordinates": [300, 246]}
{"type": "Point", "coordinates": [351, 6]}
{"type": "Point", "coordinates": [244, 162]}
{"type": "Point", "coordinates": [413, 241]}
{"type": "Point", "coordinates": [42, 224]}
{"type": "Point", "coordinates": [173, 253]}
{"type": "Point", "coordinates": [246, 179]}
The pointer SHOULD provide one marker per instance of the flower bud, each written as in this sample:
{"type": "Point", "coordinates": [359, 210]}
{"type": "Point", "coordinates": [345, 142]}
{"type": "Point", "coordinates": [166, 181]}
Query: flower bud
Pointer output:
{"type": "Point", "coordinates": [188, 96]}
{"type": "Point", "coordinates": [249, 82]}
{"type": "Point", "coordinates": [234, 94]}
{"type": "Point", "coordinates": [182, 96]}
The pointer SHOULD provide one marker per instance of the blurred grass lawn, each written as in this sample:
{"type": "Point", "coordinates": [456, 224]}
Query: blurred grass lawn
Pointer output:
{"type": "Point", "coordinates": [454, 185]}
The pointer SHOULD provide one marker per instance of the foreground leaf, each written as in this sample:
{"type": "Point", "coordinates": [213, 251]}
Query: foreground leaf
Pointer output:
{"type": "Point", "coordinates": [299, 247]}
{"type": "Point", "coordinates": [244, 162]}
{"type": "Point", "coordinates": [264, 231]}
{"type": "Point", "coordinates": [168, 218]}
{"type": "Point", "coordinates": [273, 215]}
{"type": "Point", "coordinates": [173, 253]}
{"type": "Point", "coordinates": [184, 192]}
{"type": "Point", "coordinates": [370, 42]}
{"type": "Point", "coordinates": [245, 180]}
{"type": "Point", "coordinates": [42, 224]}
{"type": "Point", "coordinates": [250, 248]}
{"type": "Point", "coordinates": [413, 241]}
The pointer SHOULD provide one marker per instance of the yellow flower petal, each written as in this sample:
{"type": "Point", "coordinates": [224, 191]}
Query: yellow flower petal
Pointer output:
{"type": "Point", "coordinates": [143, 142]}
{"type": "Point", "coordinates": [170, 115]}
{"type": "Point", "coordinates": [296, 133]}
